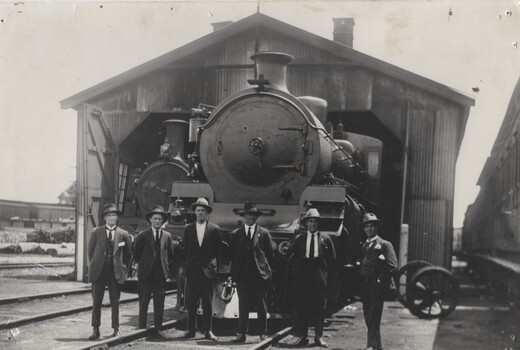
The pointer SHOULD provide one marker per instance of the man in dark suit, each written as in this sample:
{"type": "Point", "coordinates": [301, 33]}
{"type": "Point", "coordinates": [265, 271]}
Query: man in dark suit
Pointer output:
{"type": "Point", "coordinates": [109, 253]}
{"type": "Point", "coordinates": [313, 255]}
{"type": "Point", "coordinates": [201, 244]}
{"type": "Point", "coordinates": [377, 267]}
{"type": "Point", "coordinates": [251, 270]}
{"type": "Point", "coordinates": [153, 252]}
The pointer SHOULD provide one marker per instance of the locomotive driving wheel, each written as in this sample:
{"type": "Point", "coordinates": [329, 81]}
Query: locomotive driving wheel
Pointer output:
{"type": "Point", "coordinates": [404, 276]}
{"type": "Point", "coordinates": [432, 293]}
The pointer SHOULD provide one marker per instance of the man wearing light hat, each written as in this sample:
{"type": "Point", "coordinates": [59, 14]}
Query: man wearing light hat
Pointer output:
{"type": "Point", "coordinates": [378, 264]}
{"type": "Point", "coordinates": [251, 269]}
{"type": "Point", "coordinates": [201, 244]}
{"type": "Point", "coordinates": [153, 252]}
{"type": "Point", "coordinates": [109, 253]}
{"type": "Point", "coordinates": [313, 255]}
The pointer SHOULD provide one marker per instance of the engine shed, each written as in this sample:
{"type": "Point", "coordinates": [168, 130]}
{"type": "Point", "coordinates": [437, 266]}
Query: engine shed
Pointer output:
{"type": "Point", "coordinates": [421, 123]}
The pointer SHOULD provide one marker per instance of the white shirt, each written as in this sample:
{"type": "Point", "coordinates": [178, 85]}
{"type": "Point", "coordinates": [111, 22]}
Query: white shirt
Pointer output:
{"type": "Point", "coordinates": [308, 245]}
{"type": "Point", "coordinates": [252, 230]}
{"type": "Point", "coordinates": [371, 241]}
{"type": "Point", "coordinates": [113, 229]}
{"type": "Point", "coordinates": [201, 228]}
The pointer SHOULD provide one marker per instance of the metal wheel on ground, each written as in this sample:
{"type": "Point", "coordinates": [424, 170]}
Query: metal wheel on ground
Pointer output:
{"type": "Point", "coordinates": [404, 276]}
{"type": "Point", "coordinates": [432, 293]}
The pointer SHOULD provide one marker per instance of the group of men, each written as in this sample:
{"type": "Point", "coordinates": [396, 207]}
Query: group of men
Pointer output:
{"type": "Point", "coordinates": [312, 254]}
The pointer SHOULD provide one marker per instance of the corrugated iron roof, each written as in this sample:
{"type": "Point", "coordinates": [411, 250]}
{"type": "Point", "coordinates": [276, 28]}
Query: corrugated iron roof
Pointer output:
{"type": "Point", "coordinates": [259, 19]}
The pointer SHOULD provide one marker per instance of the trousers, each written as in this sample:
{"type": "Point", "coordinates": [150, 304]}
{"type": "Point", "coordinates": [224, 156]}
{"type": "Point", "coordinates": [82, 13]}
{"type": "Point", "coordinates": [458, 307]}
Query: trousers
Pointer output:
{"type": "Point", "coordinates": [199, 288]}
{"type": "Point", "coordinates": [373, 301]}
{"type": "Point", "coordinates": [106, 278]}
{"type": "Point", "coordinates": [155, 287]}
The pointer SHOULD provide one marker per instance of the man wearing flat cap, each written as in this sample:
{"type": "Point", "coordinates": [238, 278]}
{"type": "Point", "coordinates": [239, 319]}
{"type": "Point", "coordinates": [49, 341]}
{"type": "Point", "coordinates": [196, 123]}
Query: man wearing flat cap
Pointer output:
{"type": "Point", "coordinates": [109, 253]}
{"type": "Point", "coordinates": [153, 253]}
{"type": "Point", "coordinates": [313, 255]}
{"type": "Point", "coordinates": [201, 244]}
{"type": "Point", "coordinates": [378, 264]}
{"type": "Point", "coordinates": [251, 270]}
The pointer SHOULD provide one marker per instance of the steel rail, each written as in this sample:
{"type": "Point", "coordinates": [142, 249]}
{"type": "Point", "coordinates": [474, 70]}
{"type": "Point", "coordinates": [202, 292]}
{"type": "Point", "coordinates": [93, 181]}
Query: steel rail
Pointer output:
{"type": "Point", "coordinates": [264, 344]}
{"type": "Point", "coordinates": [55, 314]}
{"type": "Point", "coordinates": [25, 298]}
{"type": "Point", "coordinates": [128, 337]}
{"type": "Point", "coordinates": [34, 265]}
{"type": "Point", "coordinates": [144, 333]}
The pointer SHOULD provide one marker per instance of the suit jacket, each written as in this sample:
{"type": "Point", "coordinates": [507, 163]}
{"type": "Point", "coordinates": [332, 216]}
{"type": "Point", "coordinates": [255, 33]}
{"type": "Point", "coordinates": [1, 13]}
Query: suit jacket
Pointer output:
{"type": "Point", "coordinates": [144, 253]}
{"type": "Point", "coordinates": [262, 251]}
{"type": "Point", "coordinates": [379, 262]}
{"type": "Point", "coordinates": [97, 252]}
{"type": "Point", "coordinates": [201, 260]}
{"type": "Point", "coordinates": [326, 259]}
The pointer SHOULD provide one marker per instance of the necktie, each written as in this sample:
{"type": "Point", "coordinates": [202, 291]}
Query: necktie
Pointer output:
{"type": "Point", "coordinates": [110, 234]}
{"type": "Point", "coordinates": [157, 235]}
{"type": "Point", "coordinates": [311, 249]}
{"type": "Point", "coordinates": [249, 233]}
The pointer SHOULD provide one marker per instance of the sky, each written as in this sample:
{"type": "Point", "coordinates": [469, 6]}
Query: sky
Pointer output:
{"type": "Point", "coordinates": [52, 50]}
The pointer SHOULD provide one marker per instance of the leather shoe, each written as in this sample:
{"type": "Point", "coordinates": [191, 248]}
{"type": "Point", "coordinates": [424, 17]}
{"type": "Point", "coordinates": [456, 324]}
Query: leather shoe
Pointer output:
{"type": "Point", "coordinates": [210, 336]}
{"type": "Point", "coordinates": [95, 334]}
{"type": "Point", "coordinates": [301, 341]}
{"type": "Point", "coordinates": [189, 335]}
{"type": "Point", "coordinates": [116, 333]}
{"type": "Point", "coordinates": [263, 337]}
{"type": "Point", "coordinates": [372, 348]}
{"type": "Point", "coordinates": [241, 338]}
{"type": "Point", "coordinates": [319, 342]}
{"type": "Point", "coordinates": [160, 335]}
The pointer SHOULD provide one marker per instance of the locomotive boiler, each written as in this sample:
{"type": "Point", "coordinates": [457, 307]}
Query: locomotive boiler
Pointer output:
{"type": "Point", "coordinates": [267, 146]}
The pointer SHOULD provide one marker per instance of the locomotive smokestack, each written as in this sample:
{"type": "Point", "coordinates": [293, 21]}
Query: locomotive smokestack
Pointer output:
{"type": "Point", "coordinates": [273, 67]}
{"type": "Point", "coordinates": [175, 132]}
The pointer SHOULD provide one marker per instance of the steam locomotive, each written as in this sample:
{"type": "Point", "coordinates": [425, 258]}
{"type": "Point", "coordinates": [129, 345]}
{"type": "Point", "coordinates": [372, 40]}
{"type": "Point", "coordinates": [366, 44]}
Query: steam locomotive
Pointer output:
{"type": "Point", "coordinates": [267, 146]}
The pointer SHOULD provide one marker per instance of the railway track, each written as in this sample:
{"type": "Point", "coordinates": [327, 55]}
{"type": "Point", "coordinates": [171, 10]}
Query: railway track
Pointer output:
{"type": "Point", "coordinates": [64, 312]}
{"type": "Point", "coordinates": [144, 333]}
{"type": "Point", "coordinates": [34, 265]}
{"type": "Point", "coordinates": [24, 298]}
{"type": "Point", "coordinates": [32, 325]}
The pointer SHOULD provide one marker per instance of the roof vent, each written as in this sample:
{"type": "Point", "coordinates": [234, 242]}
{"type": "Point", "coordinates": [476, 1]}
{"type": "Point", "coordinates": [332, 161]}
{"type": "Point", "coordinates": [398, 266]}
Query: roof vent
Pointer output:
{"type": "Point", "coordinates": [344, 31]}
{"type": "Point", "coordinates": [220, 25]}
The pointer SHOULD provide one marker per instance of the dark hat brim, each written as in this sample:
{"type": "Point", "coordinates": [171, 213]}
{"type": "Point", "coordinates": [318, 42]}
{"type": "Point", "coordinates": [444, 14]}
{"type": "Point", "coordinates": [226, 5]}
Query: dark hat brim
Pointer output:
{"type": "Point", "coordinates": [257, 213]}
{"type": "Point", "coordinates": [369, 221]}
{"type": "Point", "coordinates": [303, 221]}
{"type": "Point", "coordinates": [118, 212]}
{"type": "Point", "coordinates": [208, 208]}
{"type": "Point", "coordinates": [150, 214]}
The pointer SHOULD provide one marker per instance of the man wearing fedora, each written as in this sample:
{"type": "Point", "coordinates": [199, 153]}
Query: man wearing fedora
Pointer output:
{"type": "Point", "coordinates": [201, 244]}
{"type": "Point", "coordinates": [378, 264]}
{"type": "Point", "coordinates": [153, 253]}
{"type": "Point", "coordinates": [109, 253]}
{"type": "Point", "coordinates": [251, 270]}
{"type": "Point", "coordinates": [312, 255]}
